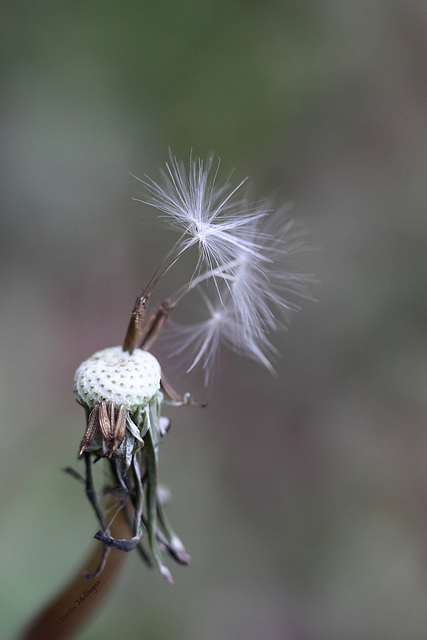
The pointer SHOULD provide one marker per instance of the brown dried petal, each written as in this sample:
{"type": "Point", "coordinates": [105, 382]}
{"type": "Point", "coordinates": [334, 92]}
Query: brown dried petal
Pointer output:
{"type": "Point", "coordinates": [90, 430]}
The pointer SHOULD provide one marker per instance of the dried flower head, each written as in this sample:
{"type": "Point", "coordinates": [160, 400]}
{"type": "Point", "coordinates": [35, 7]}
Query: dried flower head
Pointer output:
{"type": "Point", "coordinates": [241, 276]}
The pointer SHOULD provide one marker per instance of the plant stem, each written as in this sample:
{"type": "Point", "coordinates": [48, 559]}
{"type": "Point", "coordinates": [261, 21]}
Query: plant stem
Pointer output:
{"type": "Point", "coordinates": [71, 607]}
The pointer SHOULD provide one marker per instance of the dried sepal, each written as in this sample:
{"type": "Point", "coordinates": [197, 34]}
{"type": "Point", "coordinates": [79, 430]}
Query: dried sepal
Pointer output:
{"type": "Point", "coordinates": [111, 426]}
{"type": "Point", "coordinates": [119, 430]}
{"type": "Point", "coordinates": [90, 433]}
{"type": "Point", "coordinates": [104, 423]}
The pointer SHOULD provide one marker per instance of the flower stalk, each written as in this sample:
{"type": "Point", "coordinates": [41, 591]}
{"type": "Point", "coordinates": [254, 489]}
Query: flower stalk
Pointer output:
{"type": "Point", "coordinates": [76, 602]}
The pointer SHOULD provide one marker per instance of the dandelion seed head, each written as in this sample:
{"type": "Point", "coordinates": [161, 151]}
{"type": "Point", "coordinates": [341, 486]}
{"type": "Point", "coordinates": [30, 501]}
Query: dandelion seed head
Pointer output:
{"type": "Point", "coordinates": [114, 375]}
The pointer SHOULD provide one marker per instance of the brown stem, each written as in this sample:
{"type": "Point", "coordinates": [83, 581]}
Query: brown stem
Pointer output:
{"type": "Point", "coordinates": [69, 610]}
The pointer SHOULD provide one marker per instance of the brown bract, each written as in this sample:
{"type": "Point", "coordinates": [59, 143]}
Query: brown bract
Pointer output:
{"type": "Point", "coordinates": [110, 422]}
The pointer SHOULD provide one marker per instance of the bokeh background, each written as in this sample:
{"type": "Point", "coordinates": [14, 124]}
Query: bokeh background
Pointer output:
{"type": "Point", "coordinates": [302, 497]}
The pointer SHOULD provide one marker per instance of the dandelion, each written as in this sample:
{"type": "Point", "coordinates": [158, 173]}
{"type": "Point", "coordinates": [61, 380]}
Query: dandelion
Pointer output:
{"type": "Point", "coordinates": [241, 277]}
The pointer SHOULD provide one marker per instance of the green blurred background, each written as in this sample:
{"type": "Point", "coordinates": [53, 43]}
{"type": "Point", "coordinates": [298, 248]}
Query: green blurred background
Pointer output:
{"type": "Point", "coordinates": [302, 498]}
